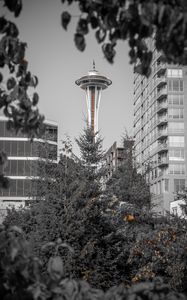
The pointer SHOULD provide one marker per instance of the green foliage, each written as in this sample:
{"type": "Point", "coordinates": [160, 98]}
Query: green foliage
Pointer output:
{"type": "Point", "coordinates": [135, 21]}
{"type": "Point", "coordinates": [92, 156]}
{"type": "Point", "coordinates": [21, 277]}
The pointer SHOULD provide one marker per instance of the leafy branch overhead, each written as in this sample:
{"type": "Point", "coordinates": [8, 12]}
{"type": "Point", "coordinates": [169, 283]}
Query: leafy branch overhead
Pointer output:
{"type": "Point", "coordinates": [134, 21]}
{"type": "Point", "coordinates": [15, 101]}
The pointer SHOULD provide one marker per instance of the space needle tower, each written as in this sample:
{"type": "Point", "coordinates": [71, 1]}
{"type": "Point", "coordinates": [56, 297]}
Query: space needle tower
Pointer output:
{"type": "Point", "coordinates": [93, 84]}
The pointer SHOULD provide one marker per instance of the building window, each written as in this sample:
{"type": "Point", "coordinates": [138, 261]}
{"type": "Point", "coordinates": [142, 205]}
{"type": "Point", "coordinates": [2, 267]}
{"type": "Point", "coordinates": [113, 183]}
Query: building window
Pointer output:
{"type": "Point", "coordinates": [179, 185]}
{"type": "Point", "coordinates": [159, 187]}
{"type": "Point", "coordinates": [174, 73]}
{"type": "Point", "coordinates": [176, 99]}
{"type": "Point", "coordinates": [176, 113]}
{"type": "Point", "coordinates": [176, 141]}
{"type": "Point", "coordinates": [176, 127]}
{"type": "Point", "coordinates": [177, 169]}
{"type": "Point", "coordinates": [175, 85]}
{"type": "Point", "coordinates": [166, 185]}
{"type": "Point", "coordinates": [176, 154]}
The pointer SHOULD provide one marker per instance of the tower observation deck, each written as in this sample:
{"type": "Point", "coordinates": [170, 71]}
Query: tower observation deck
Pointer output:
{"type": "Point", "coordinates": [93, 84]}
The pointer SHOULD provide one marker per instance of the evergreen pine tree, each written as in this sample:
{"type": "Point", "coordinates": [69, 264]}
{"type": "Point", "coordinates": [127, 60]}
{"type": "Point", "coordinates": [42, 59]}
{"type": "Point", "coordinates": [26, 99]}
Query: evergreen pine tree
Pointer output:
{"type": "Point", "coordinates": [92, 156]}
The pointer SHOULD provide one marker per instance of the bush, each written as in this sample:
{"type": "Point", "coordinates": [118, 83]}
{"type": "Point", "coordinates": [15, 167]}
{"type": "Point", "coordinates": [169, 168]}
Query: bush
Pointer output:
{"type": "Point", "coordinates": [20, 277]}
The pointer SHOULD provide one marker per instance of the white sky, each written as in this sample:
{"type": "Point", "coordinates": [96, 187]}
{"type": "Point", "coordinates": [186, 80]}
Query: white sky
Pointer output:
{"type": "Point", "coordinates": [54, 58]}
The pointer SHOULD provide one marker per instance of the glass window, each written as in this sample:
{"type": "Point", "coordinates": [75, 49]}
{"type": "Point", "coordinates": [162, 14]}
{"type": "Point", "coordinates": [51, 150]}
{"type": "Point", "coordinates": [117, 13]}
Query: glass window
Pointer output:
{"type": "Point", "coordinates": [21, 169]}
{"type": "Point", "coordinates": [181, 85]}
{"type": "Point", "coordinates": [6, 167]}
{"type": "Point", "coordinates": [174, 73]}
{"type": "Point", "coordinates": [179, 185]}
{"type": "Point", "coordinates": [27, 167]}
{"type": "Point", "coordinates": [176, 113]}
{"type": "Point", "coordinates": [2, 128]}
{"type": "Point", "coordinates": [20, 148]}
{"type": "Point", "coordinates": [13, 187]}
{"type": "Point", "coordinates": [176, 154]}
{"type": "Point", "coordinates": [28, 150]}
{"type": "Point", "coordinates": [176, 141]}
{"type": "Point", "coordinates": [166, 185]}
{"type": "Point", "coordinates": [20, 187]}
{"type": "Point", "coordinates": [175, 127]}
{"type": "Point", "coordinates": [7, 147]}
{"type": "Point", "coordinates": [2, 146]}
{"type": "Point", "coordinates": [13, 168]}
{"type": "Point", "coordinates": [175, 85]}
{"type": "Point", "coordinates": [177, 169]}
{"type": "Point", "coordinates": [14, 148]}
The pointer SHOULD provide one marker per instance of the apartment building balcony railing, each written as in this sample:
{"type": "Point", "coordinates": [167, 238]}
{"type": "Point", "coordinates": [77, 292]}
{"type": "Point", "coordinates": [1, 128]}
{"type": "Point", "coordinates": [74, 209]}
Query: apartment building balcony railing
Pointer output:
{"type": "Point", "coordinates": [162, 134]}
{"type": "Point", "coordinates": [162, 121]}
{"type": "Point", "coordinates": [162, 94]}
{"type": "Point", "coordinates": [162, 107]}
{"type": "Point", "coordinates": [163, 162]}
{"type": "Point", "coordinates": [161, 68]}
{"type": "Point", "coordinates": [162, 147]}
{"type": "Point", "coordinates": [161, 81]}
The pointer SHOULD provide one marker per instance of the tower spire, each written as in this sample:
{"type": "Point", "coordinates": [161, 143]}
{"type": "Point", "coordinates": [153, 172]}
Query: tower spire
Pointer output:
{"type": "Point", "coordinates": [93, 84]}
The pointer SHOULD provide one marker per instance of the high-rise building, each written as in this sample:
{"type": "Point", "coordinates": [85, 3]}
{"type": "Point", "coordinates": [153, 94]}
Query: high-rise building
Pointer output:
{"type": "Point", "coordinates": [93, 84]}
{"type": "Point", "coordinates": [21, 165]}
{"type": "Point", "coordinates": [160, 129]}
{"type": "Point", "coordinates": [115, 156]}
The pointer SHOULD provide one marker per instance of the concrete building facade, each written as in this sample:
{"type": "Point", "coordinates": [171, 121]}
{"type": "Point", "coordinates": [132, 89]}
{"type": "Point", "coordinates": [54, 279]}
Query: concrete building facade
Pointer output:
{"type": "Point", "coordinates": [160, 129]}
{"type": "Point", "coordinates": [113, 159]}
{"type": "Point", "coordinates": [21, 165]}
{"type": "Point", "coordinates": [116, 155]}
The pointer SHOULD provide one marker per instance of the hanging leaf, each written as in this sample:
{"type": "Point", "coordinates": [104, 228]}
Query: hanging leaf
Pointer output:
{"type": "Point", "coordinates": [14, 6]}
{"type": "Point", "coordinates": [79, 41]}
{"type": "Point", "coordinates": [35, 99]}
{"type": "Point", "coordinates": [94, 22]}
{"type": "Point", "coordinates": [11, 82]}
{"type": "Point", "coordinates": [109, 52]}
{"type": "Point", "coordinates": [12, 30]}
{"type": "Point", "coordinates": [100, 35]}
{"type": "Point", "coordinates": [82, 26]}
{"type": "Point", "coordinates": [65, 19]}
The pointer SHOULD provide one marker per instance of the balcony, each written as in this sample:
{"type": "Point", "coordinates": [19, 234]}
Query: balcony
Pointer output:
{"type": "Point", "coordinates": [162, 121]}
{"type": "Point", "coordinates": [161, 68]}
{"type": "Point", "coordinates": [162, 134]}
{"type": "Point", "coordinates": [163, 162]}
{"type": "Point", "coordinates": [162, 147]}
{"type": "Point", "coordinates": [162, 107]}
{"type": "Point", "coordinates": [162, 94]}
{"type": "Point", "coordinates": [161, 81]}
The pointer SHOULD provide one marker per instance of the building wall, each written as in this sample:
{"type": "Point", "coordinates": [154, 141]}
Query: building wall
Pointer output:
{"type": "Point", "coordinates": [22, 163]}
{"type": "Point", "coordinates": [115, 156]}
{"type": "Point", "coordinates": [160, 129]}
